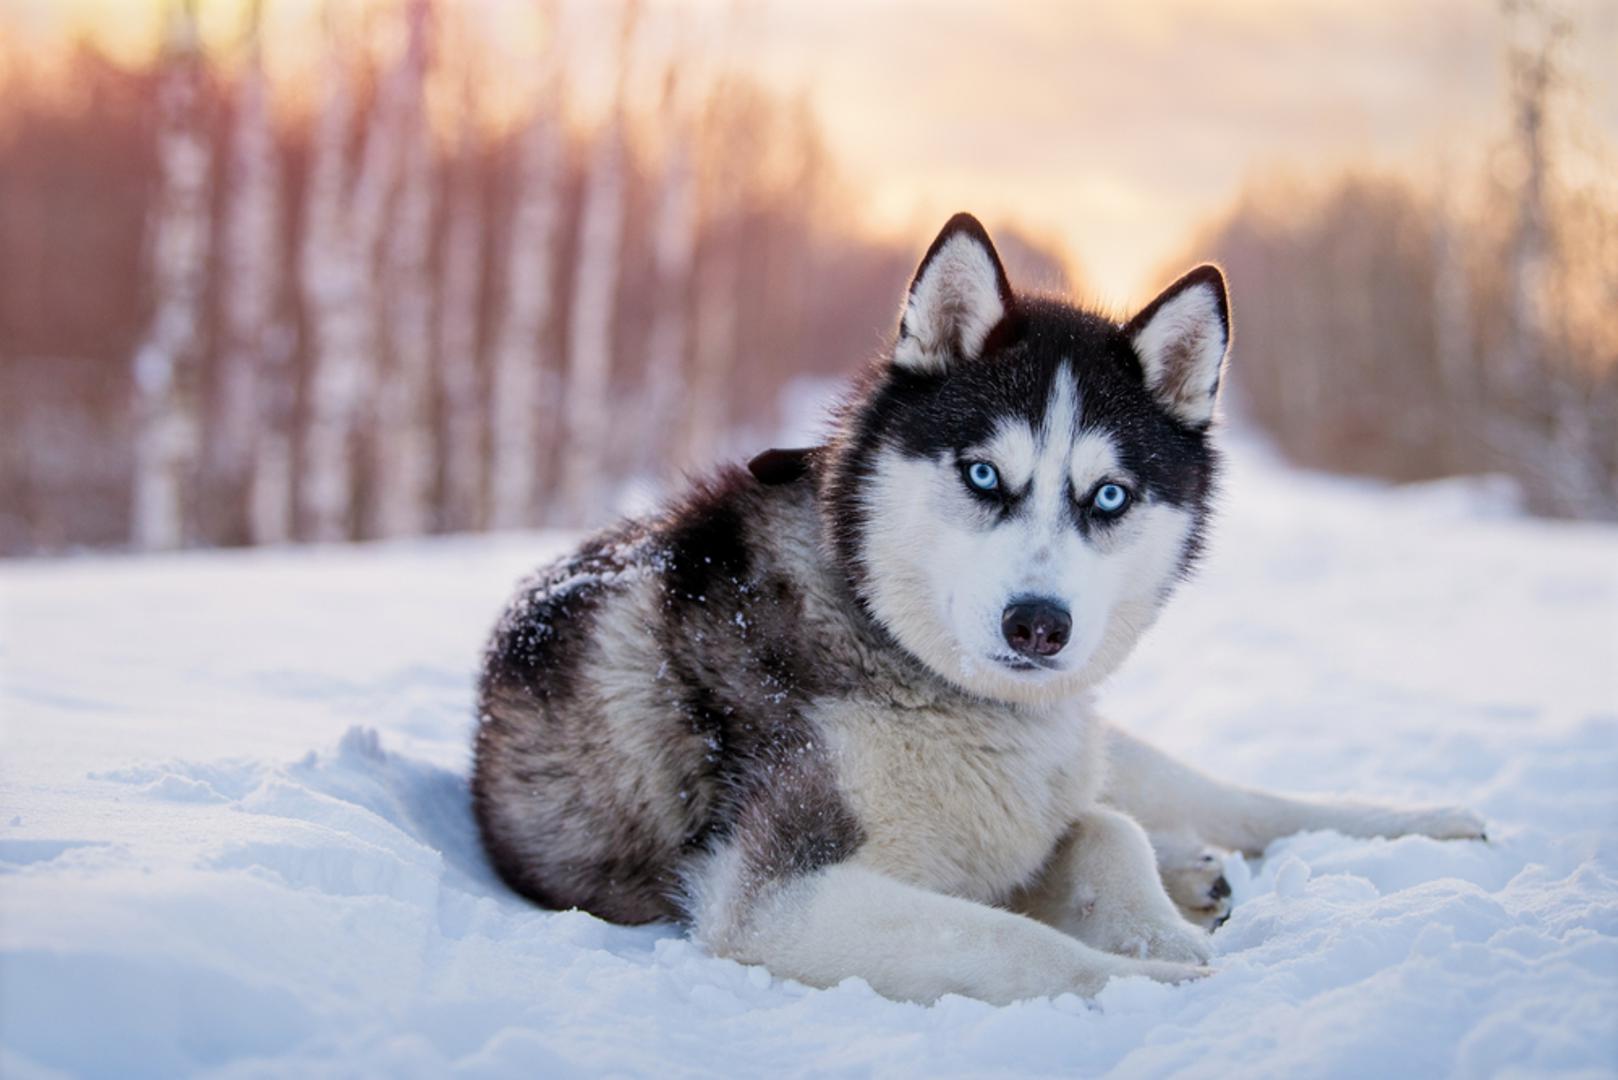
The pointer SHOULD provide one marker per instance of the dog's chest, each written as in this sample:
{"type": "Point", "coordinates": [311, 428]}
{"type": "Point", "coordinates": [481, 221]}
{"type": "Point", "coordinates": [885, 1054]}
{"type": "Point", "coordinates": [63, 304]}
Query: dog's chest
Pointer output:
{"type": "Point", "coordinates": [966, 803]}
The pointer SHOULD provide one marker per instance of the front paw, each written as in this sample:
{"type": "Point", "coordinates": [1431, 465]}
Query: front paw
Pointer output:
{"type": "Point", "coordinates": [1199, 889]}
{"type": "Point", "coordinates": [1173, 940]}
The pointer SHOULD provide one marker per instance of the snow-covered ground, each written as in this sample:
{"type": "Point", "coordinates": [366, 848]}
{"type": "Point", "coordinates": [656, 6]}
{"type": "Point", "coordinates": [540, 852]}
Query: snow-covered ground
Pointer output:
{"type": "Point", "coordinates": [235, 839]}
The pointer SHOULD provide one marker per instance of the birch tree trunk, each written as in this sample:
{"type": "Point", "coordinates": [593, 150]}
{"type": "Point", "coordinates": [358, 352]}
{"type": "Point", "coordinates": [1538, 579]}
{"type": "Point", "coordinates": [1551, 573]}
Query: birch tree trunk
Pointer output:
{"type": "Point", "coordinates": [589, 362]}
{"type": "Point", "coordinates": [1452, 305]}
{"type": "Point", "coordinates": [403, 465]}
{"type": "Point", "coordinates": [255, 395]}
{"type": "Point", "coordinates": [1530, 247]}
{"type": "Point", "coordinates": [595, 288]}
{"type": "Point", "coordinates": [166, 427]}
{"type": "Point", "coordinates": [329, 288]}
{"type": "Point", "coordinates": [521, 404]}
{"type": "Point", "coordinates": [674, 242]}
{"type": "Point", "coordinates": [342, 232]}
{"type": "Point", "coordinates": [462, 452]}
{"type": "Point", "coordinates": [718, 285]}
{"type": "Point", "coordinates": [1453, 339]}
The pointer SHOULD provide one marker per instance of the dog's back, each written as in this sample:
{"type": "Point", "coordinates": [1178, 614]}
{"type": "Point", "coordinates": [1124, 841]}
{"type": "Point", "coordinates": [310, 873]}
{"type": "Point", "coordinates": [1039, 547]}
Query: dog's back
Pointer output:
{"type": "Point", "coordinates": [633, 690]}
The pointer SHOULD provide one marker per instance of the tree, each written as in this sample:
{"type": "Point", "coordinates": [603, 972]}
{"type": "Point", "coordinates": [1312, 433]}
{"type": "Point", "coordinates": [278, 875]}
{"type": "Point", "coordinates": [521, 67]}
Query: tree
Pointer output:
{"type": "Point", "coordinates": [596, 279]}
{"type": "Point", "coordinates": [403, 442]}
{"type": "Point", "coordinates": [521, 402]}
{"type": "Point", "coordinates": [253, 417]}
{"type": "Point", "coordinates": [730, 147]}
{"type": "Point", "coordinates": [165, 364]}
{"type": "Point", "coordinates": [345, 215]}
{"type": "Point", "coordinates": [462, 457]}
{"type": "Point", "coordinates": [674, 240]}
{"type": "Point", "coordinates": [1532, 62]}
{"type": "Point", "coordinates": [333, 294]}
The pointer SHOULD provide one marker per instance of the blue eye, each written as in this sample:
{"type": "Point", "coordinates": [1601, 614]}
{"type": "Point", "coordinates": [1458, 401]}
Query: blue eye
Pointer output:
{"type": "Point", "coordinates": [982, 475]}
{"type": "Point", "coordinates": [1110, 499]}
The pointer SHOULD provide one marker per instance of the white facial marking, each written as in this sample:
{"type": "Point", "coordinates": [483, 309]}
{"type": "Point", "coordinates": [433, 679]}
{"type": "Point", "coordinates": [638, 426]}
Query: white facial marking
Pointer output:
{"type": "Point", "coordinates": [1011, 450]}
{"type": "Point", "coordinates": [1049, 497]}
{"type": "Point", "coordinates": [942, 565]}
{"type": "Point", "coordinates": [1093, 460]}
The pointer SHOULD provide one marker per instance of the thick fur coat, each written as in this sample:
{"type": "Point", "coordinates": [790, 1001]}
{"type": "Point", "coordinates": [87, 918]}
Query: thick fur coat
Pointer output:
{"type": "Point", "coordinates": [836, 712]}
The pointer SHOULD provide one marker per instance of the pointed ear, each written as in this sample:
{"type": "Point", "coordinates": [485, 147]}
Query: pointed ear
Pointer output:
{"type": "Point", "coordinates": [1181, 339]}
{"type": "Point", "coordinates": [776, 467]}
{"type": "Point", "coordinates": [957, 299]}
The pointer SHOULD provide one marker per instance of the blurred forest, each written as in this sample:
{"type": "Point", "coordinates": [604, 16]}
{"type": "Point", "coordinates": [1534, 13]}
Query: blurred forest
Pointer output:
{"type": "Point", "coordinates": [226, 321]}
{"type": "Point", "coordinates": [1414, 330]}
{"type": "Point", "coordinates": [230, 314]}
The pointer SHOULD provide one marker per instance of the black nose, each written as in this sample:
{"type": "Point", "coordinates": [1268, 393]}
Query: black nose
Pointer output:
{"type": "Point", "coordinates": [1036, 627]}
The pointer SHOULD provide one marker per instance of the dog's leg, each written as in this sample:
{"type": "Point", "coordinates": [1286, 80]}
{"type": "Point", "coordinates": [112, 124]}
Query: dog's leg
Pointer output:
{"type": "Point", "coordinates": [1194, 876]}
{"type": "Point", "coordinates": [908, 943]}
{"type": "Point", "coordinates": [1177, 801]}
{"type": "Point", "coordinates": [1102, 886]}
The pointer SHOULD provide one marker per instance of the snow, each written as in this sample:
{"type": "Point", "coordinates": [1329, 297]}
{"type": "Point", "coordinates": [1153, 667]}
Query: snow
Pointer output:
{"type": "Point", "coordinates": [235, 840]}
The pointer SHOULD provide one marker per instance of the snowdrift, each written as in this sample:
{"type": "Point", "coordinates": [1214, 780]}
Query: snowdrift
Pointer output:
{"type": "Point", "coordinates": [234, 832]}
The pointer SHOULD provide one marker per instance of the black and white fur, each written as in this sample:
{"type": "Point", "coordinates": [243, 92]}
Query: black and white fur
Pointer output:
{"type": "Point", "coordinates": [798, 708]}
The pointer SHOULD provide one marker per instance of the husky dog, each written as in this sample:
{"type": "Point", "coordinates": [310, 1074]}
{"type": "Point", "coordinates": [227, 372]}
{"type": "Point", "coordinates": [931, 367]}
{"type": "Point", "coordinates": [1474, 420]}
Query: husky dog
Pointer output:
{"type": "Point", "coordinates": [835, 712]}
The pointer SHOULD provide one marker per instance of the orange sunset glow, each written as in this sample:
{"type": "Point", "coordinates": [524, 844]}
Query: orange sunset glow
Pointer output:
{"type": "Point", "coordinates": [1114, 128]}
{"type": "Point", "coordinates": [279, 270]}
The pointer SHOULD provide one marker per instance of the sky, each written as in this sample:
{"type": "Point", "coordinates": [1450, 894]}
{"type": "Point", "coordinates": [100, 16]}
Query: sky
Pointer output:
{"type": "Point", "coordinates": [1114, 128]}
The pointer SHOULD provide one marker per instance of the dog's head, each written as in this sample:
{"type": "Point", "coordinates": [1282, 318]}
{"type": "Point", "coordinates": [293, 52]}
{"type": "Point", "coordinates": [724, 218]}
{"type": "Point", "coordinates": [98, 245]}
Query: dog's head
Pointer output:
{"type": "Point", "coordinates": [1018, 485]}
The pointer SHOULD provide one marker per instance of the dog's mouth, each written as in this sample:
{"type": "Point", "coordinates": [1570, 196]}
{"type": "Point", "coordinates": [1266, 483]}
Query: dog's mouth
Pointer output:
{"type": "Point", "coordinates": [1016, 662]}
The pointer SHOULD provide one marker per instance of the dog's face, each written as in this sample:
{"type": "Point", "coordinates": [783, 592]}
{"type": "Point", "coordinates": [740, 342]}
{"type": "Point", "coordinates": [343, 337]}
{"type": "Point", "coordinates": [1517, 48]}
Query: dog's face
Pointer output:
{"type": "Point", "coordinates": [1020, 484]}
